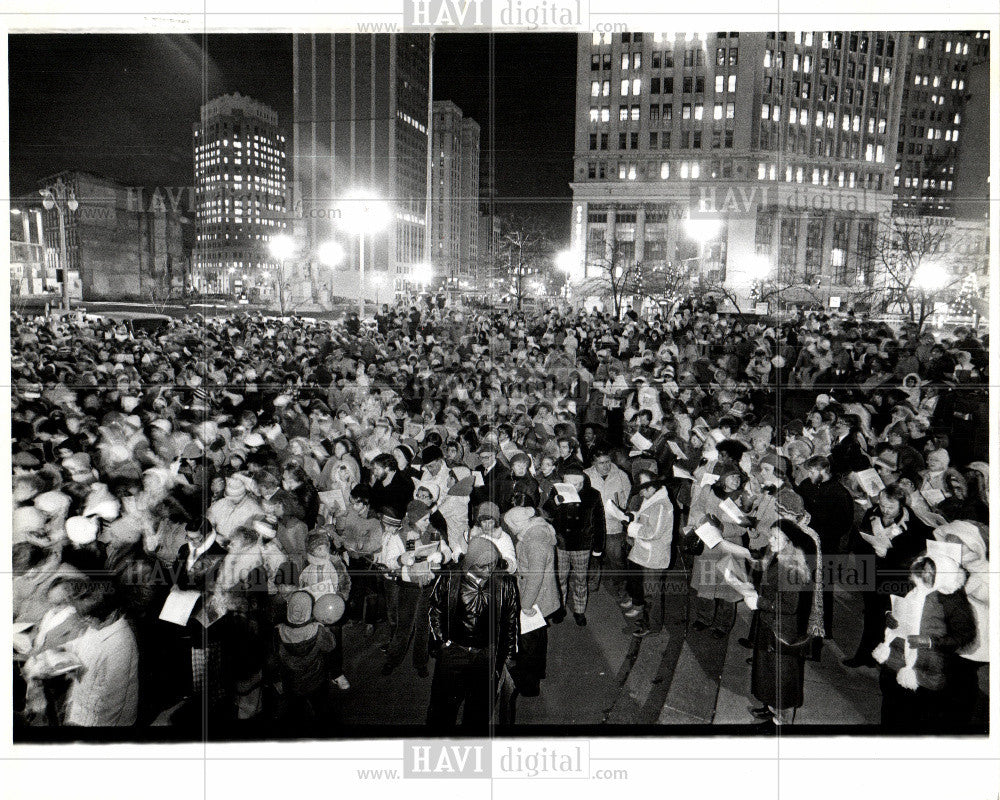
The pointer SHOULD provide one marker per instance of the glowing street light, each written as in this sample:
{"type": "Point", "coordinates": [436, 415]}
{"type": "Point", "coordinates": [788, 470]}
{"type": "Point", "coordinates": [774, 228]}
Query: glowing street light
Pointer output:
{"type": "Point", "coordinates": [702, 229]}
{"type": "Point", "coordinates": [363, 213]}
{"type": "Point", "coordinates": [758, 268]}
{"type": "Point", "coordinates": [422, 273]}
{"type": "Point", "coordinates": [331, 253]}
{"type": "Point", "coordinates": [282, 247]}
{"type": "Point", "coordinates": [930, 277]}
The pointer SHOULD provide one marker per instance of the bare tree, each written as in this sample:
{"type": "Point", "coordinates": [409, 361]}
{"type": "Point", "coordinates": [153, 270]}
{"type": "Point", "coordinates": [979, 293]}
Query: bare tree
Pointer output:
{"type": "Point", "coordinates": [613, 272]}
{"type": "Point", "coordinates": [523, 244]}
{"type": "Point", "coordinates": [910, 258]}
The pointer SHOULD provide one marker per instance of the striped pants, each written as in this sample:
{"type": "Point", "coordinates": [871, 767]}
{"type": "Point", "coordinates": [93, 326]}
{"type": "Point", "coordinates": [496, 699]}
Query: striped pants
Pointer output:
{"type": "Point", "coordinates": [571, 569]}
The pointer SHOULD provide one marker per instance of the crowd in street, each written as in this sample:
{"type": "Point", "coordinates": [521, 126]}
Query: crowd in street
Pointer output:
{"type": "Point", "coordinates": [200, 509]}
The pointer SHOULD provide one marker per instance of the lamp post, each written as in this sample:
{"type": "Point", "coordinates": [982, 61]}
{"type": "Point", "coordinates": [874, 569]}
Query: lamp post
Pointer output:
{"type": "Point", "coordinates": [422, 274]}
{"type": "Point", "coordinates": [702, 231]}
{"type": "Point", "coordinates": [61, 197]}
{"type": "Point", "coordinates": [568, 262]}
{"type": "Point", "coordinates": [362, 213]}
{"type": "Point", "coordinates": [331, 254]}
{"type": "Point", "coordinates": [282, 247]}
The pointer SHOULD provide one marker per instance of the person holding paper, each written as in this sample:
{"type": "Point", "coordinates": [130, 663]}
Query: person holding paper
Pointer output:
{"type": "Point", "coordinates": [103, 662]}
{"type": "Point", "coordinates": [615, 488]}
{"type": "Point", "coordinates": [652, 531]}
{"type": "Point", "coordinates": [715, 604]}
{"type": "Point", "coordinates": [925, 629]}
{"type": "Point", "coordinates": [891, 536]}
{"type": "Point", "coordinates": [536, 582]}
{"type": "Point", "coordinates": [831, 512]}
{"type": "Point", "coordinates": [580, 531]}
{"type": "Point", "coordinates": [783, 596]}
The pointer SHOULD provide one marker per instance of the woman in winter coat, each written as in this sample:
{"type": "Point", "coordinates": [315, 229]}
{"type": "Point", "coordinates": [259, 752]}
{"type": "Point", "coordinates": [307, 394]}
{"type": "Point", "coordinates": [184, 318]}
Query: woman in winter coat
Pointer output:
{"type": "Point", "coordinates": [715, 604]}
{"type": "Point", "coordinates": [651, 532]}
{"type": "Point", "coordinates": [784, 597]}
{"type": "Point", "coordinates": [538, 589]}
{"type": "Point", "coordinates": [890, 519]}
{"type": "Point", "coordinates": [927, 626]}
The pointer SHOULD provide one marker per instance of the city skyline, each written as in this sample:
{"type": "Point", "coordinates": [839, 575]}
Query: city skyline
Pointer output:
{"type": "Point", "coordinates": [106, 104]}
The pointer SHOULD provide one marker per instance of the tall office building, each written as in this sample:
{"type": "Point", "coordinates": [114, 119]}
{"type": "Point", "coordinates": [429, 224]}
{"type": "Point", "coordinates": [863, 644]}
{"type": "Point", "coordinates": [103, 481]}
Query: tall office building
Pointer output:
{"type": "Point", "coordinates": [361, 124]}
{"type": "Point", "coordinates": [942, 162]}
{"type": "Point", "coordinates": [454, 194]}
{"type": "Point", "coordinates": [240, 185]}
{"type": "Point", "coordinates": [785, 141]}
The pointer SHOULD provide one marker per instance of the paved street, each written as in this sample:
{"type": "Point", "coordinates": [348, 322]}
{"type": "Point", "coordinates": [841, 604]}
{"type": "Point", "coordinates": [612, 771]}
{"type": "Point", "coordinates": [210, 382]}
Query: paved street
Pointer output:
{"type": "Point", "coordinates": [602, 675]}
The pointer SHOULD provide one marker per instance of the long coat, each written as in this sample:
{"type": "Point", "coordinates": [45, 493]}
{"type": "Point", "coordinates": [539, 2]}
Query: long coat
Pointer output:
{"type": "Point", "coordinates": [778, 671]}
{"type": "Point", "coordinates": [653, 531]}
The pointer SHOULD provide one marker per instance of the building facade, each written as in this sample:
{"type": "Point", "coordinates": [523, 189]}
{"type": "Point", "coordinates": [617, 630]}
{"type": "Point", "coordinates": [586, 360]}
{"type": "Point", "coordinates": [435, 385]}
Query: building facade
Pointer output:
{"type": "Point", "coordinates": [240, 196]}
{"type": "Point", "coordinates": [454, 195]}
{"type": "Point", "coordinates": [943, 126]}
{"type": "Point", "coordinates": [31, 270]}
{"type": "Point", "coordinates": [117, 246]}
{"type": "Point", "coordinates": [361, 124]}
{"type": "Point", "coordinates": [735, 156]}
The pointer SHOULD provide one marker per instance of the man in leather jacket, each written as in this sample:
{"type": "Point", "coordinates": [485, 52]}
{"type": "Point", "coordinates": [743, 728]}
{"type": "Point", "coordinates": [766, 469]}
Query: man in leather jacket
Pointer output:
{"type": "Point", "coordinates": [475, 622]}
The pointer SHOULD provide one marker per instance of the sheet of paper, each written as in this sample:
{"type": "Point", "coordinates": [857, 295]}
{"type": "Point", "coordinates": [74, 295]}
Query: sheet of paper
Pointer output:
{"type": "Point", "coordinates": [746, 464]}
{"type": "Point", "coordinates": [709, 478]}
{"type": "Point", "coordinates": [640, 441]}
{"type": "Point", "coordinates": [178, 606]}
{"type": "Point", "coordinates": [683, 474]}
{"type": "Point", "coordinates": [613, 512]}
{"type": "Point", "coordinates": [567, 492]}
{"type": "Point", "coordinates": [425, 550]}
{"type": "Point", "coordinates": [952, 550]}
{"type": "Point", "coordinates": [676, 449]}
{"type": "Point", "coordinates": [881, 543]}
{"type": "Point", "coordinates": [731, 510]}
{"type": "Point", "coordinates": [709, 534]}
{"type": "Point", "coordinates": [533, 622]}
{"type": "Point", "coordinates": [932, 496]}
{"type": "Point", "coordinates": [870, 481]}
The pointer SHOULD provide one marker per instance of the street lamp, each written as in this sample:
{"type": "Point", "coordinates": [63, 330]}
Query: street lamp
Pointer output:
{"type": "Point", "coordinates": [282, 247]}
{"type": "Point", "coordinates": [422, 274]}
{"type": "Point", "coordinates": [61, 197]}
{"type": "Point", "coordinates": [331, 254]}
{"type": "Point", "coordinates": [363, 213]}
{"type": "Point", "coordinates": [930, 277]}
{"type": "Point", "coordinates": [568, 262]}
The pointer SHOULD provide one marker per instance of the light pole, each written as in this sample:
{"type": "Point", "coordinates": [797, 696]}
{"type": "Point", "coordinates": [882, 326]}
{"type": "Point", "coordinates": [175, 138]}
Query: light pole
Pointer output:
{"type": "Point", "coordinates": [568, 262]}
{"type": "Point", "coordinates": [331, 254]}
{"type": "Point", "coordinates": [362, 212]}
{"type": "Point", "coordinates": [60, 197]}
{"type": "Point", "coordinates": [282, 247]}
{"type": "Point", "coordinates": [702, 231]}
{"type": "Point", "coordinates": [422, 274]}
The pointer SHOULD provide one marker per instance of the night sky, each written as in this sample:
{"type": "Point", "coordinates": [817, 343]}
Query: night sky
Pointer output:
{"type": "Point", "coordinates": [123, 105]}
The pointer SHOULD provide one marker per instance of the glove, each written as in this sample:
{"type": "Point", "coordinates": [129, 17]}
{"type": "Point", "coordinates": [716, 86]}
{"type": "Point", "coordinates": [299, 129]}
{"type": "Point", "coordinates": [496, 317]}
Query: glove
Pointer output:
{"type": "Point", "coordinates": [881, 653]}
{"type": "Point", "coordinates": [907, 678]}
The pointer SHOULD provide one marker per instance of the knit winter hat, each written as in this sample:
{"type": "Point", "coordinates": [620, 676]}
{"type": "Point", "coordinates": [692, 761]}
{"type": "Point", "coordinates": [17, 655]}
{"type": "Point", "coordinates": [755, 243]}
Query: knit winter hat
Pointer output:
{"type": "Point", "coordinates": [488, 510]}
{"type": "Point", "coordinates": [300, 608]}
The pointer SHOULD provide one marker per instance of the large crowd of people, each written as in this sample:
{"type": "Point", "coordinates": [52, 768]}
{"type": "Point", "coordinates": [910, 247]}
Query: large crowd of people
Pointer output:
{"type": "Point", "coordinates": [200, 508]}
